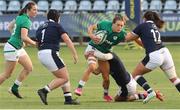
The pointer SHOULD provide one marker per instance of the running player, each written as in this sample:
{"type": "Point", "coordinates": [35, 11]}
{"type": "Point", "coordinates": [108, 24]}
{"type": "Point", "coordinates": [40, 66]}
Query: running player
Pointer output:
{"type": "Point", "coordinates": [157, 55]}
{"type": "Point", "coordinates": [115, 33]}
{"type": "Point", "coordinates": [48, 36]}
{"type": "Point", "coordinates": [13, 50]}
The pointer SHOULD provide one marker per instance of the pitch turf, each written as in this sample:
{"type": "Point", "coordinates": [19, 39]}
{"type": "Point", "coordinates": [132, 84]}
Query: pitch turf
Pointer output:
{"type": "Point", "coordinates": [92, 97]}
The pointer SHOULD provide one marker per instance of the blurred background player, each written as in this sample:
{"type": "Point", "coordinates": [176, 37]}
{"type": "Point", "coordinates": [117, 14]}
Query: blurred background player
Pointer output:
{"type": "Point", "coordinates": [157, 55]}
{"type": "Point", "coordinates": [13, 50]}
{"type": "Point", "coordinates": [48, 36]}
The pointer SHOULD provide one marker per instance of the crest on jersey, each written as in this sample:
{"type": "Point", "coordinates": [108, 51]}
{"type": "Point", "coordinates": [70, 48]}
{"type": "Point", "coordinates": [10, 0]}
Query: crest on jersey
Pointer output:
{"type": "Point", "coordinates": [115, 37]}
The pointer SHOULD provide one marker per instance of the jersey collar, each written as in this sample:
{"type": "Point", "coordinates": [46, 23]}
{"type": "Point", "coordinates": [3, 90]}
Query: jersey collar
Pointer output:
{"type": "Point", "coordinates": [51, 20]}
{"type": "Point", "coordinates": [149, 21]}
{"type": "Point", "coordinates": [25, 15]}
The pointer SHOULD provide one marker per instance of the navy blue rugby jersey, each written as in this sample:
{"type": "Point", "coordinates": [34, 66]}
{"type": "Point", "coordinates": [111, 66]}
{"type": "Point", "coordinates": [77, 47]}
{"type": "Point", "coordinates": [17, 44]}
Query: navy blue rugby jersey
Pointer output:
{"type": "Point", "coordinates": [150, 36]}
{"type": "Point", "coordinates": [49, 35]}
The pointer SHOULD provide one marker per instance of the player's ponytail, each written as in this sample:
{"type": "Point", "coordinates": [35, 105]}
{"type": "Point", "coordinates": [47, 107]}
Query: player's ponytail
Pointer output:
{"type": "Point", "coordinates": [28, 6]}
{"type": "Point", "coordinates": [153, 16]}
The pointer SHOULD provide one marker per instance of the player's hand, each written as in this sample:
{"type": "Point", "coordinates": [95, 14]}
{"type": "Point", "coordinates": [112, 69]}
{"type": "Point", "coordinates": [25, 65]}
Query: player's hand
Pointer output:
{"type": "Point", "coordinates": [95, 39]}
{"type": "Point", "coordinates": [24, 44]}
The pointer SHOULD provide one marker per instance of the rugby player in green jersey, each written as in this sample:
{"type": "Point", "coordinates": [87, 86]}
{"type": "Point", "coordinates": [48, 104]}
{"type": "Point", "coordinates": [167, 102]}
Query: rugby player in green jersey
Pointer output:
{"type": "Point", "coordinates": [13, 50]}
{"type": "Point", "coordinates": [115, 34]}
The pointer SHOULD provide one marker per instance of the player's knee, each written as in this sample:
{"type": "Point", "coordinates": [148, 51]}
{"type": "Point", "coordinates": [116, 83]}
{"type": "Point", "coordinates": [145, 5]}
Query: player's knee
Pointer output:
{"type": "Point", "coordinates": [66, 80]}
{"type": "Point", "coordinates": [92, 67]}
{"type": "Point", "coordinates": [171, 73]}
{"type": "Point", "coordinates": [67, 84]}
{"type": "Point", "coordinates": [6, 76]}
{"type": "Point", "coordinates": [29, 69]}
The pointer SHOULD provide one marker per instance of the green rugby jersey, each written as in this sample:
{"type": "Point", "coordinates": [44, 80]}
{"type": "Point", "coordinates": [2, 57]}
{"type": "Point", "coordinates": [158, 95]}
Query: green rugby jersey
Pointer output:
{"type": "Point", "coordinates": [113, 38]}
{"type": "Point", "coordinates": [22, 21]}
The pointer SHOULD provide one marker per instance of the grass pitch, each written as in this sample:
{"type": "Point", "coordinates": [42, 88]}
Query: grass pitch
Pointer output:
{"type": "Point", "coordinates": [93, 92]}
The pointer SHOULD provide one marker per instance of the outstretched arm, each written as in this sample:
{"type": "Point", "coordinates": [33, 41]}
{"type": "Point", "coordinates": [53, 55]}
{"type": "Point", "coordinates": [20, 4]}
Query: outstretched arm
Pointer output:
{"type": "Point", "coordinates": [132, 37]}
{"type": "Point", "coordinates": [25, 37]}
{"type": "Point", "coordinates": [69, 43]}
{"type": "Point", "coordinates": [11, 26]}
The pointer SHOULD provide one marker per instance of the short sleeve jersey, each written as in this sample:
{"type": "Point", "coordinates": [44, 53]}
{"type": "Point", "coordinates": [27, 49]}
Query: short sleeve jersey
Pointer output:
{"type": "Point", "coordinates": [113, 38]}
{"type": "Point", "coordinates": [21, 21]}
{"type": "Point", "coordinates": [49, 35]}
{"type": "Point", "coordinates": [150, 36]}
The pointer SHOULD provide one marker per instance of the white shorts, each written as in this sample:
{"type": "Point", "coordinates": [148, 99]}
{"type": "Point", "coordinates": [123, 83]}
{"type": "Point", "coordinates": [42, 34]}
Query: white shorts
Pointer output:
{"type": "Point", "coordinates": [163, 59]}
{"type": "Point", "coordinates": [160, 58]}
{"type": "Point", "coordinates": [89, 48]}
{"type": "Point", "coordinates": [11, 53]}
{"type": "Point", "coordinates": [130, 88]}
{"type": "Point", "coordinates": [50, 59]}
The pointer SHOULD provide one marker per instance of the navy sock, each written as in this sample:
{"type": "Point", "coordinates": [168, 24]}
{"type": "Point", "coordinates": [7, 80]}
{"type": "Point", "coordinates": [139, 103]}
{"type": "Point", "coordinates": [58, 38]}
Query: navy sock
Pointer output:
{"type": "Point", "coordinates": [143, 83]}
{"type": "Point", "coordinates": [67, 96]}
{"type": "Point", "coordinates": [178, 87]}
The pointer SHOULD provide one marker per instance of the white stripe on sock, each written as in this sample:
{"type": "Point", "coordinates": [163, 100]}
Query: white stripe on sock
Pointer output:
{"type": "Point", "coordinates": [68, 94]}
{"type": "Point", "coordinates": [47, 88]}
{"type": "Point", "coordinates": [82, 83]}
{"type": "Point", "coordinates": [176, 81]}
{"type": "Point", "coordinates": [18, 82]}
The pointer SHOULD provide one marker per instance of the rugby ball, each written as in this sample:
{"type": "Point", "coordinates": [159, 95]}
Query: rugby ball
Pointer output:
{"type": "Point", "coordinates": [102, 34]}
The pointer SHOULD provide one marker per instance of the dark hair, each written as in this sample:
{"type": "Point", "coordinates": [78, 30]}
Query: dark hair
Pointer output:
{"type": "Point", "coordinates": [120, 17]}
{"type": "Point", "coordinates": [153, 16]}
{"type": "Point", "coordinates": [53, 14]}
{"type": "Point", "coordinates": [28, 6]}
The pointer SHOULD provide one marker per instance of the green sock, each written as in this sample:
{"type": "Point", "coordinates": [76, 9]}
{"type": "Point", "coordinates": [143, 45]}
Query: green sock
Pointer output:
{"type": "Point", "coordinates": [80, 86]}
{"type": "Point", "coordinates": [15, 87]}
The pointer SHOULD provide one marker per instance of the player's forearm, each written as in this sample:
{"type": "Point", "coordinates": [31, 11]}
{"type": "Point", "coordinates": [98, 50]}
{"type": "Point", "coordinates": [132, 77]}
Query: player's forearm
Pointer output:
{"type": "Point", "coordinates": [11, 26]}
{"type": "Point", "coordinates": [27, 40]}
{"type": "Point", "coordinates": [90, 31]}
{"type": "Point", "coordinates": [71, 46]}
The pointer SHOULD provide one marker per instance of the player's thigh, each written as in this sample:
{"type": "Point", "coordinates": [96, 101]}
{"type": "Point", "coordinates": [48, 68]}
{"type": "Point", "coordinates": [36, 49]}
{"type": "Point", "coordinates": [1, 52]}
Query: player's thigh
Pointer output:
{"type": "Point", "coordinates": [50, 59]}
{"type": "Point", "coordinates": [25, 60]}
{"type": "Point", "coordinates": [153, 60]}
{"type": "Point", "coordinates": [168, 65]}
{"type": "Point", "coordinates": [168, 61]}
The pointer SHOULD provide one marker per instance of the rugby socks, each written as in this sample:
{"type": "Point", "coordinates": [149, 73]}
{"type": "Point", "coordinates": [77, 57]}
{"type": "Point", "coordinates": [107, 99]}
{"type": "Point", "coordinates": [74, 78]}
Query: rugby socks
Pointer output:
{"type": "Point", "coordinates": [47, 88]}
{"type": "Point", "coordinates": [178, 87]}
{"type": "Point", "coordinates": [68, 96]}
{"type": "Point", "coordinates": [16, 85]}
{"type": "Point", "coordinates": [141, 96]}
{"type": "Point", "coordinates": [105, 92]}
{"type": "Point", "coordinates": [177, 84]}
{"type": "Point", "coordinates": [81, 84]}
{"type": "Point", "coordinates": [143, 83]}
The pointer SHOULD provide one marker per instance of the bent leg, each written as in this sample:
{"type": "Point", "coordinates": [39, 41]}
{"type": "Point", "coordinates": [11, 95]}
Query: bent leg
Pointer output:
{"type": "Point", "coordinates": [9, 67]}
{"type": "Point", "coordinates": [26, 62]}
